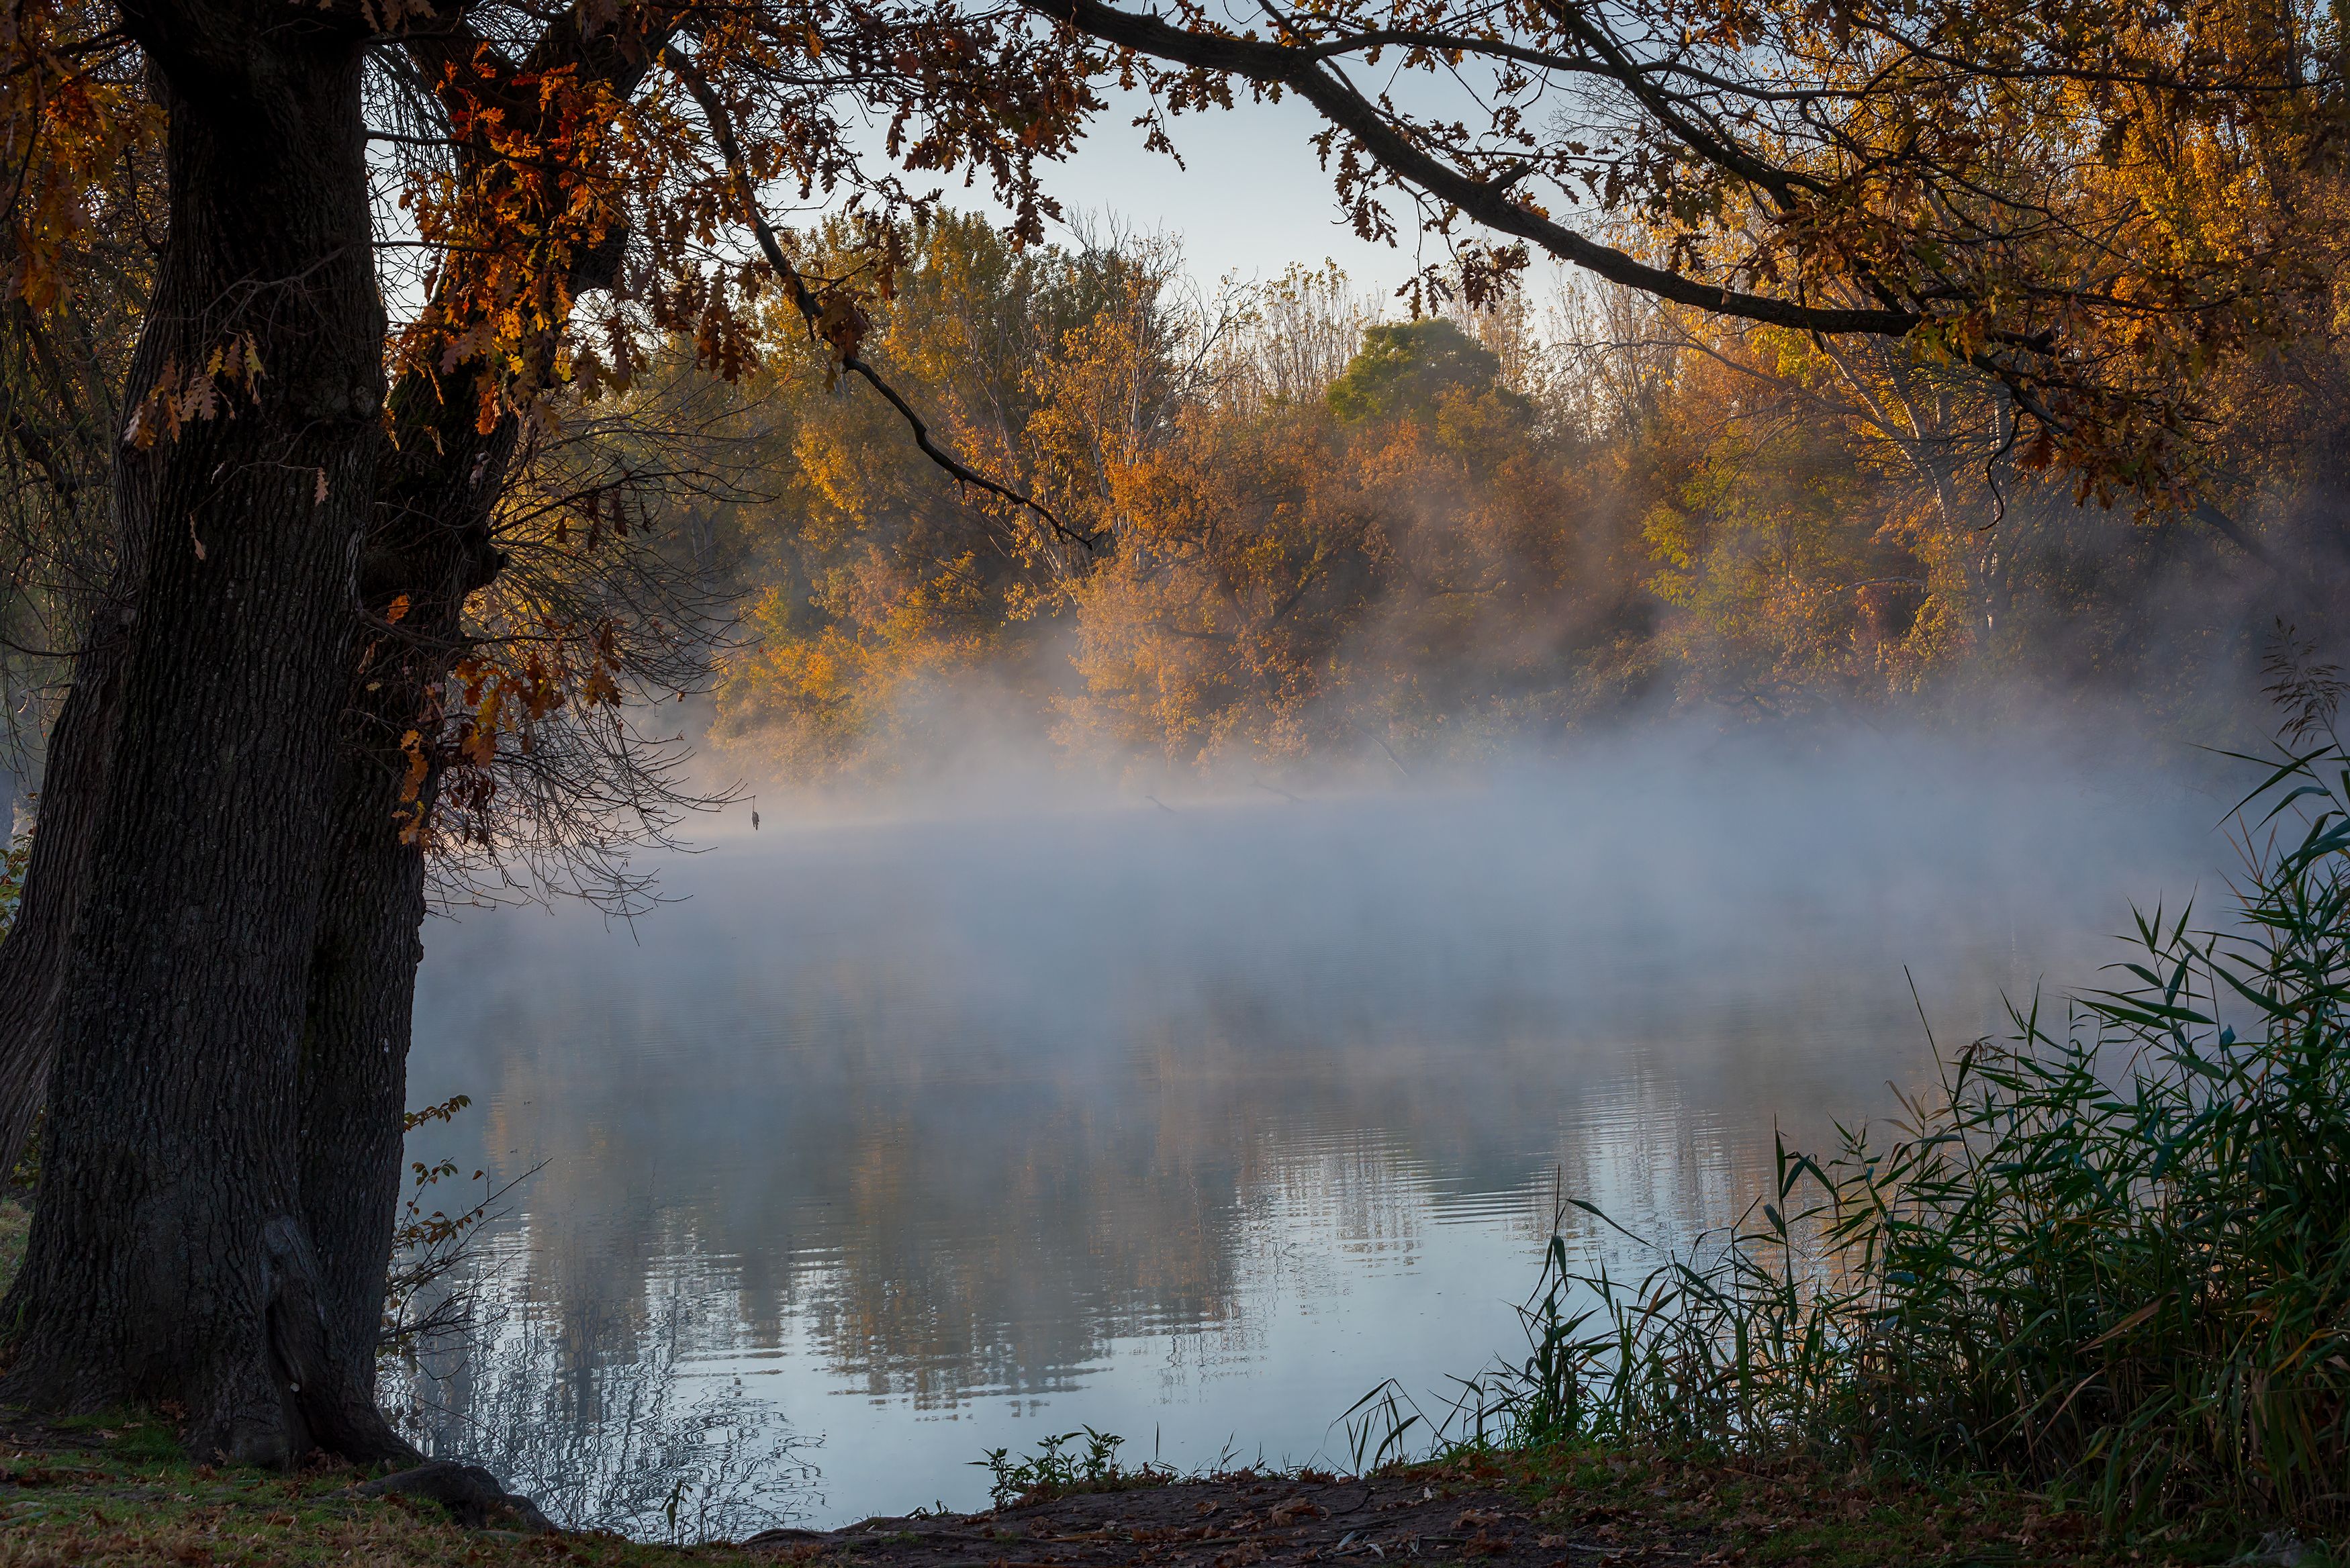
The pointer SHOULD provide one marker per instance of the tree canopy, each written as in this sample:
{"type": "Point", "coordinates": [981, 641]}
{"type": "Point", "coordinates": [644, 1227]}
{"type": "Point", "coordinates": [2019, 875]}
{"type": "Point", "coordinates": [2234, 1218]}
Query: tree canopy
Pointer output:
{"type": "Point", "coordinates": [1469, 536]}
{"type": "Point", "coordinates": [2089, 206]}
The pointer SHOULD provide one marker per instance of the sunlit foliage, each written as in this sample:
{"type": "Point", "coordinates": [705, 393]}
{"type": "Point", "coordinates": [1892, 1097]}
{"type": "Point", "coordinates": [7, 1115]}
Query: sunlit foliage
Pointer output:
{"type": "Point", "coordinates": [1320, 533]}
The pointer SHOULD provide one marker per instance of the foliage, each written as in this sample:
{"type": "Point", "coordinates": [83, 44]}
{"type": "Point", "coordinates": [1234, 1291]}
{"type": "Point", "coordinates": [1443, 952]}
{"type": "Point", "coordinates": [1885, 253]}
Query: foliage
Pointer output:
{"type": "Point", "coordinates": [77, 245]}
{"type": "Point", "coordinates": [560, 210]}
{"type": "Point", "coordinates": [1835, 524]}
{"type": "Point", "coordinates": [874, 582]}
{"type": "Point", "coordinates": [1459, 533]}
{"type": "Point", "coordinates": [2098, 210]}
{"type": "Point", "coordinates": [2111, 1263]}
{"type": "Point", "coordinates": [1407, 368]}
{"type": "Point", "coordinates": [12, 875]}
{"type": "Point", "coordinates": [429, 1247]}
{"type": "Point", "coordinates": [1055, 1470]}
{"type": "Point", "coordinates": [1276, 579]}
{"type": "Point", "coordinates": [2006, 260]}
{"type": "Point", "coordinates": [67, 126]}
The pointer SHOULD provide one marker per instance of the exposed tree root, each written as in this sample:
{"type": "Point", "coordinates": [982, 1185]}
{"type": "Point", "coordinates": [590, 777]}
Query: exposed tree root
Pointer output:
{"type": "Point", "coordinates": [470, 1494]}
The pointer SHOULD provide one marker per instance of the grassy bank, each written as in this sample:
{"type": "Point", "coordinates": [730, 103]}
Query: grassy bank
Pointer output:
{"type": "Point", "coordinates": [98, 1495]}
{"type": "Point", "coordinates": [105, 1492]}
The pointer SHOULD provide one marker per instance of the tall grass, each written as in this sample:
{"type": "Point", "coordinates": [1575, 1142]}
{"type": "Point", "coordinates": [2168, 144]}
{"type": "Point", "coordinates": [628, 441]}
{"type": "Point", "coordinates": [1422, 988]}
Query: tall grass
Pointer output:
{"type": "Point", "coordinates": [2109, 1257]}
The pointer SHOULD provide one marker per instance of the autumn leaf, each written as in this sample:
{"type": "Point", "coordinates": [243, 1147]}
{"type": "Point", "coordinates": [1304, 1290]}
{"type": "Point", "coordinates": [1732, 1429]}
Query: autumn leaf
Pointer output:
{"type": "Point", "coordinates": [419, 767]}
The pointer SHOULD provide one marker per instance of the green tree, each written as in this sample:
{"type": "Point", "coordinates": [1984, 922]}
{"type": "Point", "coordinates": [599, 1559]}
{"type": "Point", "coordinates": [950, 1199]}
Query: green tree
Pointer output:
{"type": "Point", "coordinates": [1404, 368]}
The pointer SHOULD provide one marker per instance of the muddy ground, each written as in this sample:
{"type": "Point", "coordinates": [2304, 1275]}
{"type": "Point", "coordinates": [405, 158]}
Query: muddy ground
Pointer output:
{"type": "Point", "coordinates": [1240, 1521]}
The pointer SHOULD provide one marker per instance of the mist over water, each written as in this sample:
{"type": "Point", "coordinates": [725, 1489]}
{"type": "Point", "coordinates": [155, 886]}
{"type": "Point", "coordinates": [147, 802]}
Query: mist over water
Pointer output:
{"type": "Point", "coordinates": [902, 1138]}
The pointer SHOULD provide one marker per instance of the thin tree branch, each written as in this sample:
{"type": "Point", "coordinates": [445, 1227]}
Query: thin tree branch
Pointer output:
{"type": "Point", "coordinates": [811, 309]}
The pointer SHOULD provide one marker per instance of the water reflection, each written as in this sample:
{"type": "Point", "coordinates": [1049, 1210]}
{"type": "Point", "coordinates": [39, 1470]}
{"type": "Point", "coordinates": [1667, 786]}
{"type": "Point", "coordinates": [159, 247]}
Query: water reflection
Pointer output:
{"type": "Point", "coordinates": [896, 1143]}
{"type": "Point", "coordinates": [603, 1418]}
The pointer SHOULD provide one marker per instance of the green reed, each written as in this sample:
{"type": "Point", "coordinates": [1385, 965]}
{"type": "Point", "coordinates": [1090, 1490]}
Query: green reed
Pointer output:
{"type": "Point", "coordinates": [2108, 1259]}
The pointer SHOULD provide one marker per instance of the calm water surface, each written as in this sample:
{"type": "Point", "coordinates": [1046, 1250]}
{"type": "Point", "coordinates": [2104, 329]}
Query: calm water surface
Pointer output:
{"type": "Point", "coordinates": [892, 1143]}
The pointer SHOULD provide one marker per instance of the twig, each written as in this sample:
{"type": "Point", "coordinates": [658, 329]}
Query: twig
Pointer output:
{"type": "Point", "coordinates": [722, 130]}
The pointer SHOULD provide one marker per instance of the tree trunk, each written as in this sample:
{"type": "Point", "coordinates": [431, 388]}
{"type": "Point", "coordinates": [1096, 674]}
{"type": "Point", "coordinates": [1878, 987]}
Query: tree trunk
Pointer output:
{"type": "Point", "coordinates": [170, 1262]}
{"type": "Point", "coordinates": [428, 544]}
{"type": "Point", "coordinates": [431, 546]}
{"type": "Point", "coordinates": [32, 956]}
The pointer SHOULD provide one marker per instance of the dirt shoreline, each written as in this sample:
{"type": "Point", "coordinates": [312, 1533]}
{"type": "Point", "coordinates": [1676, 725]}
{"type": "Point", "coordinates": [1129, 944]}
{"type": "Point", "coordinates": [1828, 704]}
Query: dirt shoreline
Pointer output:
{"type": "Point", "coordinates": [1587, 1510]}
{"type": "Point", "coordinates": [1229, 1521]}
{"type": "Point", "coordinates": [95, 1494]}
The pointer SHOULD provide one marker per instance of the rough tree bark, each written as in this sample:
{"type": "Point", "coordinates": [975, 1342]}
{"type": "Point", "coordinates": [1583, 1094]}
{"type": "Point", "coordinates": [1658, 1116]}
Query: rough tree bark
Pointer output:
{"type": "Point", "coordinates": [361, 982]}
{"type": "Point", "coordinates": [32, 956]}
{"type": "Point", "coordinates": [170, 1262]}
{"type": "Point", "coordinates": [431, 545]}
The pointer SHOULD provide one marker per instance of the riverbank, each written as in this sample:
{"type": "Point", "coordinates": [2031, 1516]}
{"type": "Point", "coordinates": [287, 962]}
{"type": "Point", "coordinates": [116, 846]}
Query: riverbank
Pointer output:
{"type": "Point", "coordinates": [90, 1493]}
{"type": "Point", "coordinates": [2105, 1261]}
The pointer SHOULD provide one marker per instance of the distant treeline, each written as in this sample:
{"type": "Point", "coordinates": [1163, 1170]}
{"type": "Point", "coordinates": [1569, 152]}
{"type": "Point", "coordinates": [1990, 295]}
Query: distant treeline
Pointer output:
{"type": "Point", "coordinates": [1281, 521]}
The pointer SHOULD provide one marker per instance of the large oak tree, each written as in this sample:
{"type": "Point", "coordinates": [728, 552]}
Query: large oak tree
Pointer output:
{"type": "Point", "coordinates": [218, 943]}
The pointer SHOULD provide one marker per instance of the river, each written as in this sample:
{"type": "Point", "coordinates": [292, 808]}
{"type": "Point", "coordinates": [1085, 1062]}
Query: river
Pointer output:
{"type": "Point", "coordinates": [895, 1140]}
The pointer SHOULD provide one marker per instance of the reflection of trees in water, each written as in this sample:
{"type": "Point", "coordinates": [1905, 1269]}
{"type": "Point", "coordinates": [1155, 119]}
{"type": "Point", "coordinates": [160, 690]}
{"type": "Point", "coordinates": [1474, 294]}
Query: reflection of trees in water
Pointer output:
{"type": "Point", "coordinates": [942, 1226]}
{"type": "Point", "coordinates": [960, 1163]}
{"type": "Point", "coordinates": [934, 1242]}
{"type": "Point", "coordinates": [939, 1271]}
{"type": "Point", "coordinates": [590, 1402]}
{"type": "Point", "coordinates": [970, 1107]}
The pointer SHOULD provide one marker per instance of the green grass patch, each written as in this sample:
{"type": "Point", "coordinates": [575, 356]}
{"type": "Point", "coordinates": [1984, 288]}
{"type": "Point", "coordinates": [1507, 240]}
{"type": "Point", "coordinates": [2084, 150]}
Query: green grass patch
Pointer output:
{"type": "Point", "coordinates": [105, 1492]}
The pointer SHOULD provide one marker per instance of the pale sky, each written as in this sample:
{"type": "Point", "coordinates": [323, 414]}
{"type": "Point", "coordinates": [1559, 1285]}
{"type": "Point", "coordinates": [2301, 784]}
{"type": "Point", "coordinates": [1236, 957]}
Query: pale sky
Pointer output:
{"type": "Point", "coordinates": [1250, 199]}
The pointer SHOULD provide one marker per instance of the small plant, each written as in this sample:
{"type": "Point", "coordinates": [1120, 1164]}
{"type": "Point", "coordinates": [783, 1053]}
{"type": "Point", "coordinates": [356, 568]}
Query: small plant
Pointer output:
{"type": "Point", "coordinates": [13, 861]}
{"type": "Point", "coordinates": [1055, 1470]}
{"type": "Point", "coordinates": [429, 1247]}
